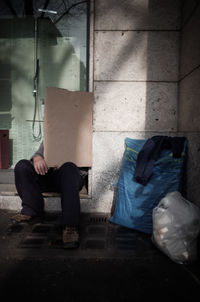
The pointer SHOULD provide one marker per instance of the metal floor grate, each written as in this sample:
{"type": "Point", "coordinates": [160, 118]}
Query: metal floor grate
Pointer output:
{"type": "Point", "coordinates": [98, 219]}
{"type": "Point", "coordinates": [96, 234]}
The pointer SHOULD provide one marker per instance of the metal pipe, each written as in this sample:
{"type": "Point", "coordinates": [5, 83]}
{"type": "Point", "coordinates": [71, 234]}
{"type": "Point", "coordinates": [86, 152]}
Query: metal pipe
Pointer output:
{"type": "Point", "coordinates": [35, 83]}
{"type": "Point", "coordinates": [47, 11]}
{"type": "Point", "coordinates": [36, 61]}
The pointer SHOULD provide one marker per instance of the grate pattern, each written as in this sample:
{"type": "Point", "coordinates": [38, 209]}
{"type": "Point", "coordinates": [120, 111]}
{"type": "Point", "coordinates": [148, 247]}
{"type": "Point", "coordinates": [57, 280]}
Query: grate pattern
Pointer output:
{"type": "Point", "coordinates": [96, 233]}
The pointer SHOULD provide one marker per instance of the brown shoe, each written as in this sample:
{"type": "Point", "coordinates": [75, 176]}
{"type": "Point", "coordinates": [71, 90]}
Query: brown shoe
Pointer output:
{"type": "Point", "coordinates": [70, 237]}
{"type": "Point", "coordinates": [21, 218]}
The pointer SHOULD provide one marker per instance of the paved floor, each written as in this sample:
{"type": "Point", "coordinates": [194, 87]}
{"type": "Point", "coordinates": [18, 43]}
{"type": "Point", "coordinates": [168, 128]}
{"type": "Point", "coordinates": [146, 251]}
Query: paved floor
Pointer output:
{"type": "Point", "coordinates": [111, 264]}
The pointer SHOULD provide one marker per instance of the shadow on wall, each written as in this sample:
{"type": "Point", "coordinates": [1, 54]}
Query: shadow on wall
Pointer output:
{"type": "Point", "coordinates": [162, 67]}
{"type": "Point", "coordinates": [162, 81]}
{"type": "Point", "coordinates": [141, 45]}
{"type": "Point", "coordinates": [61, 66]}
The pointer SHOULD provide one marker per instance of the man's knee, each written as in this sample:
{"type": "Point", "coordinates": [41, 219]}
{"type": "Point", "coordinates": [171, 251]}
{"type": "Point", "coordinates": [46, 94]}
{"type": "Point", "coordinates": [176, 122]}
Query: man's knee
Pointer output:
{"type": "Point", "coordinates": [69, 169]}
{"type": "Point", "coordinates": [69, 166]}
{"type": "Point", "coordinates": [23, 166]}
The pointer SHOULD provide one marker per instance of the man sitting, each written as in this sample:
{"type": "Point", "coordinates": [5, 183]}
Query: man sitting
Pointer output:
{"type": "Point", "coordinates": [32, 177]}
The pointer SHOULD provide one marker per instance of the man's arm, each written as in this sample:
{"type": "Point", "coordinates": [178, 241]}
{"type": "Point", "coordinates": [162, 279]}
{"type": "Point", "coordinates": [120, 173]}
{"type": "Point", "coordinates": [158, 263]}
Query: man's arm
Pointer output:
{"type": "Point", "coordinates": [39, 163]}
{"type": "Point", "coordinates": [40, 151]}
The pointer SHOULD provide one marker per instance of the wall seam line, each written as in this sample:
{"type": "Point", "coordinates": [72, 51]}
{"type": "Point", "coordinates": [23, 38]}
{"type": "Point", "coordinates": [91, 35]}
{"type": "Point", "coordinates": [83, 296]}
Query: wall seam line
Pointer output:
{"type": "Point", "coordinates": [134, 81]}
{"type": "Point", "coordinates": [189, 73]}
{"type": "Point", "coordinates": [137, 30]}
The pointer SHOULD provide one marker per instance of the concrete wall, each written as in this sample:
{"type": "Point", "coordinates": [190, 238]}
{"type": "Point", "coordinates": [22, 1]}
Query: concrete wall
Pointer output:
{"type": "Point", "coordinates": [189, 93]}
{"type": "Point", "coordinates": [134, 75]}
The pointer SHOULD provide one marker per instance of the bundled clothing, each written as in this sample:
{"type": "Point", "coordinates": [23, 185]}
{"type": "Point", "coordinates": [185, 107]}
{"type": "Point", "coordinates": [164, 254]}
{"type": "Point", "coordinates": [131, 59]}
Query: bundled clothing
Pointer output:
{"type": "Point", "coordinates": [150, 153]}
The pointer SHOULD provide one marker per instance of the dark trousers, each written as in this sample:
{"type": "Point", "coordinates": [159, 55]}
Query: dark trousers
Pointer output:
{"type": "Point", "coordinates": [66, 180]}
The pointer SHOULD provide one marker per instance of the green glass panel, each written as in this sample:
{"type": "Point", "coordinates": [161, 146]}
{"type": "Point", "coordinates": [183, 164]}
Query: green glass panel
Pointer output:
{"type": "Point", "coordinates": [61, 53]}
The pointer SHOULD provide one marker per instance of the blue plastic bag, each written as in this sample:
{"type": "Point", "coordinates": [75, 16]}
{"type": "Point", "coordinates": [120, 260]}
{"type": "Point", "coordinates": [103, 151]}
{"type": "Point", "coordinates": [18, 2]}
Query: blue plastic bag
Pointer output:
{"type": "Point", "coordinates": [135, 202]}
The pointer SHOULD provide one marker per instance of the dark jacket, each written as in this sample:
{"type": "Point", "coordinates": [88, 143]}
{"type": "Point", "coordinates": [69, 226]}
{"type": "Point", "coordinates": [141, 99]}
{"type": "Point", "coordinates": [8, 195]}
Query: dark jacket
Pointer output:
{"type": "Point", "coordinates": [150, 153]}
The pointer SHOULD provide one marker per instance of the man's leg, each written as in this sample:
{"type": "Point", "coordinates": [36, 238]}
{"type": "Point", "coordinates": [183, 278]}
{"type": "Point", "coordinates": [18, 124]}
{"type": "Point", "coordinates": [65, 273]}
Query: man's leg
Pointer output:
{"type": "Point", "coordinates": [28, 188]}
{"type": "Point", "coordinates": [69, 182]}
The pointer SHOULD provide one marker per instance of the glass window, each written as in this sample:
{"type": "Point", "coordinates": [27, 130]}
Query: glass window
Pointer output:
{"type": "Point", "coordinates": [42, 44]}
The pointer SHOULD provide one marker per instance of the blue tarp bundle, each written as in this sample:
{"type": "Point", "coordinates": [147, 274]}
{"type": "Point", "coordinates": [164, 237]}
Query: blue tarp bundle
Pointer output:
{"type": "Point", "coordinates": [135, 201]}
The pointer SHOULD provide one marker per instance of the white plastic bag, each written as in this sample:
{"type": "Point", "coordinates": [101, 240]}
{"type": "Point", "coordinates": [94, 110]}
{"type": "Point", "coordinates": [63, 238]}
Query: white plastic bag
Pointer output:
{"type": "Point", "coordinates": [176, 225]}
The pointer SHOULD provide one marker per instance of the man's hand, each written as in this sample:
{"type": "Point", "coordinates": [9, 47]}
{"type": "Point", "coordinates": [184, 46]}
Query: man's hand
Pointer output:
{"type": "Point", "coordinates": [40, 165]}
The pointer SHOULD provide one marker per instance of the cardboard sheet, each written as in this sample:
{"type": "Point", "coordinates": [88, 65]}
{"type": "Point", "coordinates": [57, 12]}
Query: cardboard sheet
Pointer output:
{"type": "Point", "coordinates": [68, 127]}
